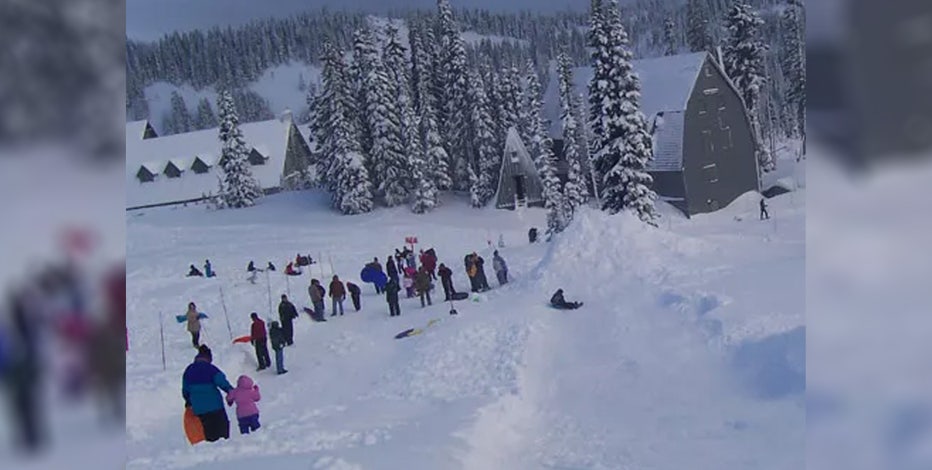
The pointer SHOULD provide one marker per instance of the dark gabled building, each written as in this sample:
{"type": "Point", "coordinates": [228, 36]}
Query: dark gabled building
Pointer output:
{"type": "Point", "coordinates": [704, 149]}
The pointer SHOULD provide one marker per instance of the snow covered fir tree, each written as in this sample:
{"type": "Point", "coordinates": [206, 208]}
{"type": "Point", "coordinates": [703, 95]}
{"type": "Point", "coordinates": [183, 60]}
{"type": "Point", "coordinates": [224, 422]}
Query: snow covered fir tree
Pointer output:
{"type": "Point", "coordinates": [405, 110]}
{"type": "Point", "coordinates": [238, 188]}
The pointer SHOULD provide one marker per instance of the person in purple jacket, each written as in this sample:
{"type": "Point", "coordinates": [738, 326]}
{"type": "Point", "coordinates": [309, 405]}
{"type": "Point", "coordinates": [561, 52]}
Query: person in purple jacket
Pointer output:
{"type": "Point", "coordinates": [200, 386]}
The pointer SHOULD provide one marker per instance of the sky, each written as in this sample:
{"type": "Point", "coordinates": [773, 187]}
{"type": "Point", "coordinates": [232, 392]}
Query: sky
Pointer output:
{"type": "Point", "coordinates": [150, 19]}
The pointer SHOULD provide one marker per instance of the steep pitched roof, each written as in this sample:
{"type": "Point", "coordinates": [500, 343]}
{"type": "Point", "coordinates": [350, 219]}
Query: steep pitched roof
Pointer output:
{"type": "Point", "coordinates": [270, 137]}
{"type": "Point", "coordinates": [666, 85]}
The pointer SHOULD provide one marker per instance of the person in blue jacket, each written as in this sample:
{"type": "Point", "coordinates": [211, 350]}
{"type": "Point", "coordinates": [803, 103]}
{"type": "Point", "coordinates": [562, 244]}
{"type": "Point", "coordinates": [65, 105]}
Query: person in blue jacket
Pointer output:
{"type": "Point", "coordinates": [200, 386]}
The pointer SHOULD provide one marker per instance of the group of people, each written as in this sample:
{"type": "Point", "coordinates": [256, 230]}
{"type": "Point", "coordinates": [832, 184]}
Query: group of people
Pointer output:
{"type": "Point", "coordinates": [208, 270]}
{"type": "Point", "coordinates": [201, 387]}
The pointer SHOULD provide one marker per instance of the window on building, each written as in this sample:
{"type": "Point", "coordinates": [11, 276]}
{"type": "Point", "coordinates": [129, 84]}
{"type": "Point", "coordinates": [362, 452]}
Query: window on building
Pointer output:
{"type": "Point", "coordinates": [703, 107]}
{"type": "Point", "coordinates": [256, 158]}
{"type": "Point", "coordinates": [708, 144]}
{"type": "Point", "coordinates": [710, 173]}
{"type": "Point", "coordinates": [144, 175]}
{"type": "Point", "coordinates": [728, 142]}
{"type": "Point", "coordinates": [172, 171]}
{"type": "Point", "coordinates": [199, 166]}
{"type": "Point", "coordinates": [708, 70]}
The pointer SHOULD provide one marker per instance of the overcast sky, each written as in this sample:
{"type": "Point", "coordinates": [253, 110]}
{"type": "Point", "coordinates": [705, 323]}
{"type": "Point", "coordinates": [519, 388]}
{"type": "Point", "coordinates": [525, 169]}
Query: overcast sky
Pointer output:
{"type": "Point", "coordinates": [149, 19]}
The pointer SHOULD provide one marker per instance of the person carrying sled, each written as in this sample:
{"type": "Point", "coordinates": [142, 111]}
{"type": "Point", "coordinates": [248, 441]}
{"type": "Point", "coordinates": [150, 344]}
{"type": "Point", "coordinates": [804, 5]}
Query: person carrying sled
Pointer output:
{"type": "Point", "coordinates": [337, 295]}
{"type": "Point", "coordinates": [354, 294]}
{"type": "Point", "coordinates": [245, 396]}
{"type": "Point", "coordinates": [194, 272]}
{"type": "Point", "coordinates": [201, 384]}
{"type": "Point", "coordinates": [287, 313]}
{"type": "Point", "coordinates": [278, 340]}
{"type": "Point", "coordinates": [391, 296]}
{"type": "Point", "coordinates": [446, 279]}
{"type": "Point", "coordinates": [378, 267]}
{"type": "Point", "coordinates": [557, 301]}
{"type": "Point", "coordinates": [501, 269]}
{"type": "Point", "coordinates": [194, 324]}
{"type": "Point", "coordinates": [259, 338]}
{"type": "Point", "coordinates": [422, 285]}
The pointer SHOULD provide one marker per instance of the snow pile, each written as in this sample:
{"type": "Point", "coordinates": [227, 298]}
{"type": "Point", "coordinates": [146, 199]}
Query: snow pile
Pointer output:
{"type": "Point", "coordinates": [604, 249]}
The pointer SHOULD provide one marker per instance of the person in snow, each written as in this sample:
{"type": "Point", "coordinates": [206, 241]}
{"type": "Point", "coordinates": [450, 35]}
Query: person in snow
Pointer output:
{"type": "Point", "coordinates": [557, 301]}
{"type": "Point", "coordinates": [291, 271]}
{"type": "Point", "coordinates": [245, 396]}
{"type": "Point", "coordinates": [201, 384]}
{"type": "Point", "coordinates": [270, 267]}
{"type": "Point", "coordinates": [501, 269]}
{"type": "Point", "coordinates": [278, 340]}
{"type": "Point", "coordinates": [287, 313]}
{"type": "Point", "coordinates": [429, 261]}
{"type": "Point", "coordinates": [107, 372]}
{"type": "Point", "coordinates": [259, 338]}
{"type": "Point", "coordinates": [252, 267]}
{"type": "Point", "coordinates": [422, 285]}
{"type": "Point", "coordinates": [532, 235]}
{"type": "Point", "coordinates": [408, 282]}
{"type": "Point", "coordinates": [446, 279]}
{"type": "Point", "coordinates": [501, 240]}
{"type": "Point", "coordinates": [411, 260]}
{"type": "Point", "coordinates": [378, 267]}
{"type": "Point", "coordinates": [316, 293]}
{"type": "Point", "coordinates": [763, 210]}
{"type": "Point", "coordinates": [481, 281]}
{"type": "Point", "coordinates": [194, 324]}
{"type": "Point", "coordinates": [391, 270]}
{"type": "Point", "coordinates": [194, 272]}
{"type": "Point", "coordinates": [470, 265]}
{"type": "Point", "coordinates": [337, 295]}
{"type": "Point", "coordinates": [208, 269]}
{"type": "Point", "coordinates": [391, 296]}
{"type": "Point", "coordinates": [22, 377]}
{"type": "Point", "coordinates": [354, 294]}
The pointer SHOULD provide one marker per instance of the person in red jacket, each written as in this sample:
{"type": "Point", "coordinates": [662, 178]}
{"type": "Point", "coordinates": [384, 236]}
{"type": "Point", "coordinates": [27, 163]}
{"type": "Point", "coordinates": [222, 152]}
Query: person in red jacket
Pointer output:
{"type": "Point", "coordinates": [260, 339]}
{"type": "Point", "coordinates": [429, 261]}
{"type": "Point", "coordinates": [338, 294]}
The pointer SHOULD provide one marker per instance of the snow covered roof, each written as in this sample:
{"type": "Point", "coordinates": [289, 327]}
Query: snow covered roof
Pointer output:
{"type": "Point", "coordinates": [666, 85]}
{"type": "Point", "coordinates": [270, 138]}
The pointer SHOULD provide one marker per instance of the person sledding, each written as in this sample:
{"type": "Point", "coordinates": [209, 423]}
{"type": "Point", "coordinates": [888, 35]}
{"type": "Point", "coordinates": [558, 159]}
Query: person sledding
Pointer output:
{"type": "Point", "coordinates": [270, 267]}
{"type": "Point", "coordinates": [194, 272]}
{"type": "Point", "coordinates": [252, 268]}
{"type": "Point", "coordinates": [558, 302]}
{"type": "Point", "coordinates": [291, 270]}
{"type": "Point", "coordinates": [253, 272]}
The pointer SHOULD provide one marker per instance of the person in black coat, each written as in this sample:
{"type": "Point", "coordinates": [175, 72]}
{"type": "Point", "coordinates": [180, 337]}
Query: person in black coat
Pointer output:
{"type": "Point", "coordinates": [391, 296]}
{"type": "Point", "coordinates": [557, 301]}
{"type": "Point", "coordinates": [278, 340]}
{"type": "Point", "coordinates": [194, 272]}
{"type": "Point", "coordinates": [270, 267]}
{"type": "Point", "coordinates": [481, 281]}
{"type": "Point", "coordinates": [391, 270]}
{"type": "Point", "coordinates": [354, 294]}
{"type": "Point", "coordinates": [287, 313]}
{"type": "Point", "coordinates": [446, 279]}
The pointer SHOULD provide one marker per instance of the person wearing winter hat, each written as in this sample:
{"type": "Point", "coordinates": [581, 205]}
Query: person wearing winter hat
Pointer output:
{"type": "Point", "coordinates": [245, 396]}
{"type": "Point", "coordinates": [201, 384]}
{"type": "Point", "coordinates": [278, 338]}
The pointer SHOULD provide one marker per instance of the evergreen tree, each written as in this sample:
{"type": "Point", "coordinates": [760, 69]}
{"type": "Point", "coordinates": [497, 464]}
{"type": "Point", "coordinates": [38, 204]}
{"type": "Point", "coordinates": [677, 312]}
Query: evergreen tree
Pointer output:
{"type": "Point", "coordinates": [389, 121]}
{"type": "Point", "coordinates": [180, 117]}
{"type": "Point", "coordinates": [437, 158]}
{"type": "Point", "coordinates": [794, 64]}
{"type": "Point", "coordinates": [697, 26]}
{"type": "Point", "coordinates": [238, 187]}
{"type": "Point", "coordinates": [483, 172]}
{"type": "Point", "coordinates": [453, 81]}
{"type": "Point", "coordinates": [425, 190]}
{"type": "Point", "coordinates": [206, 119]}
{"type": "Point", "coordinates": [334, 124]}
{"type": "Point", "coordinates": [622, 147]}
{"type": "Point", "coordinates": [669, 36]}
{"type": "Point", "coordinates": [744, 63]}
{"type": "Point", "coordinates": [365, 67]}
{"type": "Point", "coordinates": [509, 94]}
{"type": "Point", "coordinates": [575, 188]}
{"type": "Point", "coordinates": [355, 188]}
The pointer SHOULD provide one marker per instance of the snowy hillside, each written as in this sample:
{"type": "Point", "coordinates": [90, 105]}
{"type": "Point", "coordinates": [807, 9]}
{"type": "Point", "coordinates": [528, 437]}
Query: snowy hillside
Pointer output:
{"type": "Point", "coordinates": [689, 352]}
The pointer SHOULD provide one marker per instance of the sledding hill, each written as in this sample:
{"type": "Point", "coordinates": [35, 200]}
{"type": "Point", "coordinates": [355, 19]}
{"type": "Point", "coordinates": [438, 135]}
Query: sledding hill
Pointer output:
{"type": "Point", "coordinates": [687, 353]}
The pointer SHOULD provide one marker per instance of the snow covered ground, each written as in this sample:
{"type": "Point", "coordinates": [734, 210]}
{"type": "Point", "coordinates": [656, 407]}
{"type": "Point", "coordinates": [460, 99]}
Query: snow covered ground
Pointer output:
{"type": "Point", "coordinates": [689, 352]}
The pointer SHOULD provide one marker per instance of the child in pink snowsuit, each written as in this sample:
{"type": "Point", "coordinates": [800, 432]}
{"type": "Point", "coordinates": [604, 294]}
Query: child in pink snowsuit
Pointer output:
{"type": "Point", "coordinates": [245, 395]}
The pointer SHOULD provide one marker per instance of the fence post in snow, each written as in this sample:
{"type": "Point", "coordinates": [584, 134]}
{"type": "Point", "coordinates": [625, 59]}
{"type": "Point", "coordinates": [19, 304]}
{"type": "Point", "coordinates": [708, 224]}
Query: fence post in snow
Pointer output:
{"type": "Point", "coordinates": [268, 283]}
{"type": "Point", "coordinates": [225, 315]}
{"type": "Point", "coordinates": [162, 340]}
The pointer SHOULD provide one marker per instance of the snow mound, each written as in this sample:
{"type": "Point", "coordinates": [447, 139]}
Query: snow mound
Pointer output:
{"type": "Point", "coordinates": [603, 248]}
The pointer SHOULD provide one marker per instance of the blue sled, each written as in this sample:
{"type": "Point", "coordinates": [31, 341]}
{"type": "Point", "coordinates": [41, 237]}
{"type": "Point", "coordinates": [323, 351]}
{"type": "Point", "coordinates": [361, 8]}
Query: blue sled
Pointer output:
{"type": "Point", "coordinates": [184, 318]}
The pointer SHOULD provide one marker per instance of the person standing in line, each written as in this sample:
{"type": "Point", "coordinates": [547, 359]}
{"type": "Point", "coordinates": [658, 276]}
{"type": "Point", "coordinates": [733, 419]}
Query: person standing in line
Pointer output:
{"type": "Point", "coordinates": [355, 295]}
{"type": "Point", "coordinates": [501, 269]}
{"type": "Point", "coordinates": [287, 313]}
{"type": "Point", "coordinates": [259, 339]}
{"type": "Point", "coordinates": [316, 293]}
{"type": "Point", "coordinates": [337, 294]}
{"type": "Point", "coordinates": [391, 269]}
{"type": "Point", "coordinates": [422, 285]}
{"type": "Point", "coordinates": [446, 279]}
{"type": "Point", "coordinates": [277, 338]}
{"type": "Point", "coordinates": [391, 296]}
{"type": "Point", "coordinates": [763, 210]}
